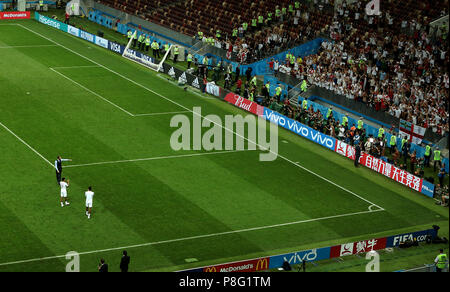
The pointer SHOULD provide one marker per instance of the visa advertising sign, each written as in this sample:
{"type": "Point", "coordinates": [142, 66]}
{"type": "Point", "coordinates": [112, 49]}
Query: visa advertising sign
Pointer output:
{"type": "Point", "coordinates": [116, 48]}
{"type": "Point", "coordinates": [299, 129]}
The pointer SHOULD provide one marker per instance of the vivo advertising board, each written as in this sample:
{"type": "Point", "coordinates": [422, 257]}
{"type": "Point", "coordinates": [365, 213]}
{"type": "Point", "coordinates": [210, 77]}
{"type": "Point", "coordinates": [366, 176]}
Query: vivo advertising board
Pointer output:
{"type": "Point", "coordinates": [300, 256]}
{"type": "Point", "coordinates": [299, 129]}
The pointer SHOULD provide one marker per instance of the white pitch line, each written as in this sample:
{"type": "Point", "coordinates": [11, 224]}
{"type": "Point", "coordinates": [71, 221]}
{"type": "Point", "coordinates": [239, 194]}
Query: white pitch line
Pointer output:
{"type": "Point", "coordinates": [77, 67]}
{"type": "Point", "coordinates": [25, 143]}
{"type": "Point", "coordinates": [96, 94]}
{"type": "Point", "coordinates": [190, 238]}
{"type": "Point", "coordinates": [30, 46]}
{"type": "Point", "coordinates": [158, 114]}
{"type": "Point", "coordinates": [154, 158]}
{"type": "Point", "coordinates": [182, 106]}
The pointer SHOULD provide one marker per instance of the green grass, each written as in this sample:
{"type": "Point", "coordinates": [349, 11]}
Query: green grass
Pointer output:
{"type": "Point", "coordinates": [93, 27]}
{"type": "Point", "coordinates": [215, 207]}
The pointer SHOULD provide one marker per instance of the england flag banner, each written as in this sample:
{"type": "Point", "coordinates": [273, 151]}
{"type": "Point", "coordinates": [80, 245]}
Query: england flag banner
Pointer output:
{"type": "Point", "coordinates": [412, 132]}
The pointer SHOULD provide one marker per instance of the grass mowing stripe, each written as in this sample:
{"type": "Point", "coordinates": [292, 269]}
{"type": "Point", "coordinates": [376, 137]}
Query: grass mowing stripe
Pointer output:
{"type": "Point", "coordinates": [26, 144]}
{"type": "Point", "coordinates": [30, 46]}
{"type": "Point", "coordinates": [154, 158]}
{"type": "Point", "coordinates": [191, 237]}
{"type": "Point", "coordinates": [90, 91]}
{"type": "Point", "coordinates": [176, 103]}
{"type": "Point", "coordinates": [158, 114]}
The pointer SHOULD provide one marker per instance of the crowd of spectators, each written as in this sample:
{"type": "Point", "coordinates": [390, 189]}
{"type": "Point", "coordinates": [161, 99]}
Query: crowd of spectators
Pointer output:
{"type": "Point", "coordinates": [291, 29]}
{"type": "Point", "coordinates": [399, 67]}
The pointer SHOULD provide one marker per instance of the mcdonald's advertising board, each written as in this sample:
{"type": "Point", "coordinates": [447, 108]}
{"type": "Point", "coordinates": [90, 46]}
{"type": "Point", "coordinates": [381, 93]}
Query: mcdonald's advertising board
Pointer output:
{"type": "Point", "coordinates": [254, 265]}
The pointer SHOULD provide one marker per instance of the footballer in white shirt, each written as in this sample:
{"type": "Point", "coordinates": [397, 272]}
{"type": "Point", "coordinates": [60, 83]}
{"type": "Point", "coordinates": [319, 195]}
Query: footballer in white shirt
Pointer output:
{"type": "Point", "coordinates": [89, 194]}
{"type": "Point", "coordinates": [64, 185]}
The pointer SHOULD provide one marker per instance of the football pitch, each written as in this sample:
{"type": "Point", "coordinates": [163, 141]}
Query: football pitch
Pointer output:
{"type": "Point", "coordinates": [171, 210]}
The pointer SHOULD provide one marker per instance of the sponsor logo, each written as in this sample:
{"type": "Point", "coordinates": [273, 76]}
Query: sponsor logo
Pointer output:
{"type": "Point", "coordinates": [263, 264]}
{"type": "Point", "coordinates": [237, 269]}
{"type": "Point", "coordinates": [171, 72]}
{"type": "Point", "coordinates": [73, 30]}
{"type": "Point", "coordinates": [427, 188]}
{"type": "Point", "coordinates": [87, 36]}
{"type": "Point", "coordinates": [346, 249]}
{"type": "Point", "coordinates": [195, 83]}
{"type": "Point", "coordinates": [15, 15]}
{"type": "Point", "coordinates": [211, 269]}
{"type": "Point", "coordinates": [403, 238]}
{"type": "Point", "coordinates": [146, 59]}
{"type": "Point", "coordinates": [419, 236]}
{"type": "Point", "coordinates": [213, 89]}
{"type": "Point", "coordinates": [244, 104]}
{"type": "Point", "coordinates": [101, 42]}
{"type": "Point", "coordinates": [299, 129]}
{"type": "Point", "coordinates": [115, 47]}
{"type": "Point", "coordinates": [299, 257]}
{"type": "Point", "coordinates": [182, 78]}
{"type": "Point", "coordinates": [49, 22]}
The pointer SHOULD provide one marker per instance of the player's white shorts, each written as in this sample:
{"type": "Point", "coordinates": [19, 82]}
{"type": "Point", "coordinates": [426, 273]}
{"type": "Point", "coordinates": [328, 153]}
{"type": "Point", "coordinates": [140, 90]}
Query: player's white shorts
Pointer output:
{"type": "Point", "coordinates": [89, 204]}
{"type": "Point", "coordinates": [63, 194]}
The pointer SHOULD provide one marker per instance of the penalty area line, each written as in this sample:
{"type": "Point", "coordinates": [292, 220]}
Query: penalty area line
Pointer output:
{"type": "Point", "coordinates": [26, 144]}
{"type": "Point", "coordinates": [190, 238]}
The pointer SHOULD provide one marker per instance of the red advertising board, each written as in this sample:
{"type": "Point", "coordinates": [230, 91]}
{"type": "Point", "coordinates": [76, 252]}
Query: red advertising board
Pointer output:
{"type": "Point", "coordinates": [358, 247]}
{"type": "Point", "coordinates": [260, 264]}
{"type": "Point", "coordinates": [391, 171]}
{"type": "Point", "coordinates": [381, 166]}
{"type": "Point", "coordinates": [15, 15]}
{"type": "Point", "coordinates": [245, 104]}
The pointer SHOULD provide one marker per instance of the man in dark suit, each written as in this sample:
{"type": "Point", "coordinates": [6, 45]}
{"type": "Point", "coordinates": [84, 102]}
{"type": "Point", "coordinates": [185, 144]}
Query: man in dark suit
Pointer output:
{"type": "Point", "coordinates": [357, 153]}
{"type": "Point", "coordinates": [124, 262]}
{"type": "Point", "coordinates": [58, 167]}
{"type": "Point", "coordinates": [103, 267]}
